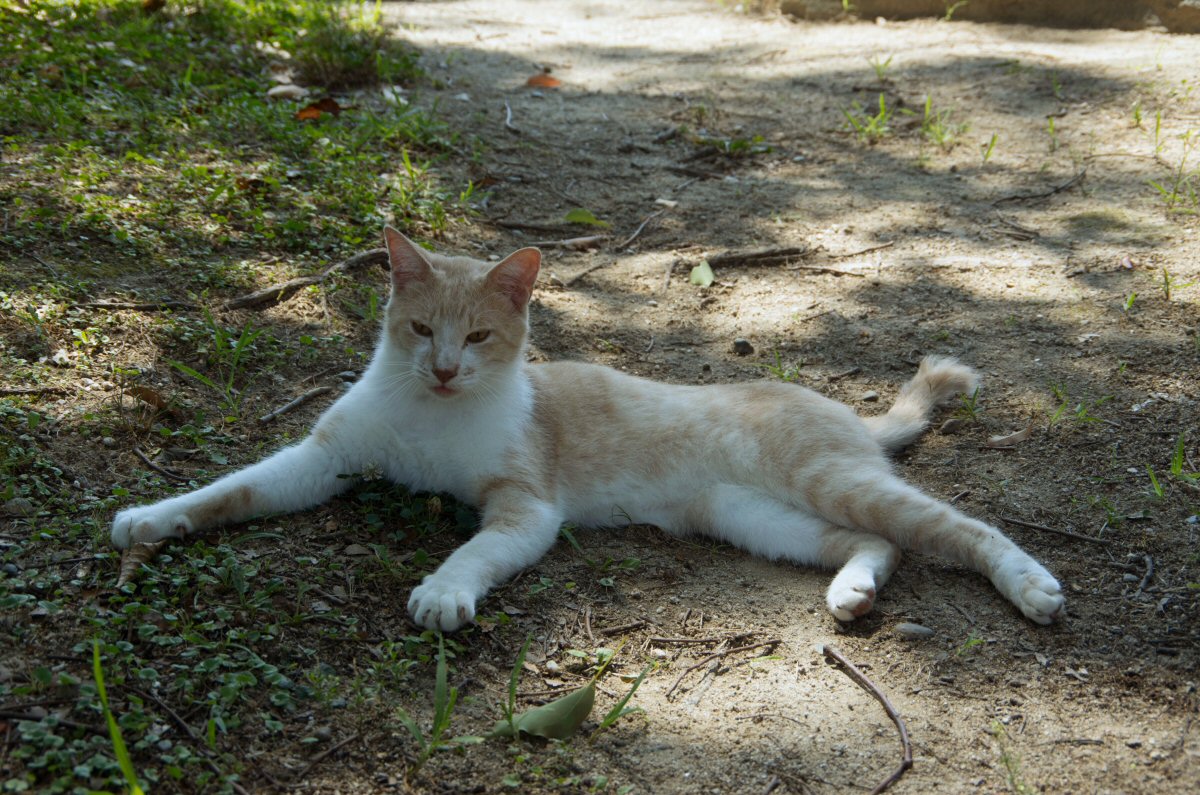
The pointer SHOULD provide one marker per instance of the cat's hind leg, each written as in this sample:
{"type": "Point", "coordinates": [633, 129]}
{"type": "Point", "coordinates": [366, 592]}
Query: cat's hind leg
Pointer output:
{"type": "Point", "coordinates": [764, 526]}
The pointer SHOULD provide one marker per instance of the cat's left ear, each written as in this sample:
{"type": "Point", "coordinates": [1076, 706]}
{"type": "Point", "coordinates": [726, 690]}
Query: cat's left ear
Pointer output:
{"type": "Point", "coordinates": [515, 275]}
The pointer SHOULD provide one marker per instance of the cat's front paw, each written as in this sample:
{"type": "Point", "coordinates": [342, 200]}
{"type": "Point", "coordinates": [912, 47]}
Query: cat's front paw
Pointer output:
{"type": "Point", "coordinates": [441, 605]}
{"type": "Point", "coordinates": [850, 597]}
{"type": "Point", "coordinates": [1040, 598]}
{"type": "Point", "coordinates": [148, 523]}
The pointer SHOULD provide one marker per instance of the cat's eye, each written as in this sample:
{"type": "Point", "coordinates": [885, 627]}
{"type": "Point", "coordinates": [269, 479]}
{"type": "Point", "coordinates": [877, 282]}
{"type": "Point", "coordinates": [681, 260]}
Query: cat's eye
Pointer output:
{"type": "Point", "coordinates": [478, 336]}
{"type": "Point", "coordinates": [421, 329]}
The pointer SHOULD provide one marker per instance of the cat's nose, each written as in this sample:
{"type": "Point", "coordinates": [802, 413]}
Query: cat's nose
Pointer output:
{"type": "Point", "coordinates": [445, 375]}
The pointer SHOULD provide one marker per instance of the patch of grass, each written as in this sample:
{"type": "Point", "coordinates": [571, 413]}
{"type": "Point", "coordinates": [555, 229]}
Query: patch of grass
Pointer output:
{"type": "Point", "coordinates": [869, 128]}
{"type": "Point", "coordinates": [937, 128]}
{"type": "Point", "coordinates": [789, 374]}
{"type": "Point", "coordinates": [1180, 192]}
{"type": "Point", "coordinates": [1011, 762]}
{"type": "Point", "coordinates": [986, 149]}
{"type": "Point", "coordinates": [968, 408]}
{"type": "Point", "coordinates": [881, 66]}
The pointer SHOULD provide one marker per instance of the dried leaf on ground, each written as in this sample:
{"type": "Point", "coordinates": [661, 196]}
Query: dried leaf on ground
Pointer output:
{"type": "Point", "coordinates": [322, 106]}
{"type": "Point", "coordinates": [543, 80]}
{"type": "Point", "coordinates": [1010, 440]}
{"type": "Point", "coordinates": [133, 558]}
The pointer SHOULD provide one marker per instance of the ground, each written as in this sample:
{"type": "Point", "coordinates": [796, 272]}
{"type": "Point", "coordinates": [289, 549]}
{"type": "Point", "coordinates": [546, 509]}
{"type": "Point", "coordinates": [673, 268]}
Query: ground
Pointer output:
{"type": "Point", "coordinates": [1027, 205]}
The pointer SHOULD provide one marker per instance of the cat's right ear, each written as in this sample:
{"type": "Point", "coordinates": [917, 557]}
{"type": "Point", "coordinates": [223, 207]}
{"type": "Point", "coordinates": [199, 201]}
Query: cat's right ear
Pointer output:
{"type": "Point", "coordinates": [407, 260]}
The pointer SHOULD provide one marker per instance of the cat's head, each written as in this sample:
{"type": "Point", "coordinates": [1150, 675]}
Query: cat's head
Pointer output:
{"type": "Point", "coordinates": [453, 323]}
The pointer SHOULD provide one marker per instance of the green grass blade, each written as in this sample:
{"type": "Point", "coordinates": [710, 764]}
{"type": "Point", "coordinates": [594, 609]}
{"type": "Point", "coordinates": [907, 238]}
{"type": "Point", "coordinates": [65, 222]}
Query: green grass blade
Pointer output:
{"type": "Point", "coordinates": [114, 730]}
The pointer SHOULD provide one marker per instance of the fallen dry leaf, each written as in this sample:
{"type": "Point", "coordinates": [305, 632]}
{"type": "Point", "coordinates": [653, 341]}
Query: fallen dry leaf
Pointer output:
{"type": "Point", "coordinates": [1010, 440]}
{"type": "Point", "coordinates": [543, 80]}
{"type": "Point", "coordinates": [321, 106]}
{"type": "Point", "coordinates": [133, 558]}
{"type": "Point", "coordinates": [147, 395]}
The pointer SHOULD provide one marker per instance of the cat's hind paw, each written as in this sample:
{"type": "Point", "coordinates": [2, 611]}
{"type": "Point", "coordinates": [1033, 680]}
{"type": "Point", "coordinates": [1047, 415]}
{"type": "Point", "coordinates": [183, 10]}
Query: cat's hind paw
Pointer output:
{"type": "Point", "coordinates": [441, 606]}
{"type": "Point", "coordinates": [148, 523]}
{"type": "Point", "coordinates": [1041, 599]}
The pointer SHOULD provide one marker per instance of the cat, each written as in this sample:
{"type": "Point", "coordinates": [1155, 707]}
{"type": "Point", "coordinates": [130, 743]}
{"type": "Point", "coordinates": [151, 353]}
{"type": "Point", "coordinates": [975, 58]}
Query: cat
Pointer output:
{"type": "Point", "coordinates": [450, 404]}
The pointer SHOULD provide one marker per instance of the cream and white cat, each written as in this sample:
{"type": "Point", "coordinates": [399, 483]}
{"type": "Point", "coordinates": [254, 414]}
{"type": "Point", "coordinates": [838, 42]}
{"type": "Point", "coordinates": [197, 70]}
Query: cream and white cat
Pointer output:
{"type": "Point", "coordinates": [450, 404]}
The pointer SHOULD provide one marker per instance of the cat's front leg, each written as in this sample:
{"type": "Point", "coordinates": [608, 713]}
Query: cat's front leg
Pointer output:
{"type": "Point", "coordinates": [518, 529]}
{"type": "Point", "coordinates": [294, 478]}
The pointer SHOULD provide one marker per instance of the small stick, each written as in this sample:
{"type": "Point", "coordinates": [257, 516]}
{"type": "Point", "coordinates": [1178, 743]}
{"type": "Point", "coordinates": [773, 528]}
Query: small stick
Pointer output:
{"type": "Point", "coordinates": [695, 172]}
{"type": "Point", "coordinates": [304, 771]}
{"type": "Point", "coordinates": [575, 243]}
{"type": "Point", "coordinates": [141, 306]}
{"type": "Point", "coordinates": [278, 293]}
{"type": "Point", "coordinates": [649, 346]}
{"type": "Point", "coordinates": [508, 125]}
{"type": "Point", "coordinates": [830, 271]}
{"type": "Point", "coordinates": [959, 496]}
{"type": "Point", "coordinates": [583, 273]}
{"type": "Point", "coordinates": [1068, 533]}
{"type": "Point", "coordinates": [861, 679]}
{"type": "Point", "coordinates": [1149, 561]}
{"type": "Point", "coordinates": [684, 641]}
{"type": "Point", "coordinates": [772, 785]}
{"type": "Point", "coordinates": [44, 390]}
{"type": "Point", "coordinates": [587, 625]}
{"type": "Point", "coordinates": [285, 408]}
{"type": "Point", "coordinates": [1044, 194]}
{"type": "Point", "coordinates": [529, 227]}
{"type": "Point", "coordinates": [642, 226]}
{"type": "Point", "coordinates": [763, 257]}
{"type": "Point", "coordinates": [617, 630]}
{"type": "Point", "coordinates": [717, 656]}
{"type": "Point", "coordinates": [845, 374]}
{"type": "Point", "coordinates": [888, 244]}
{"type": "Point", "coordinates": [167, 473]}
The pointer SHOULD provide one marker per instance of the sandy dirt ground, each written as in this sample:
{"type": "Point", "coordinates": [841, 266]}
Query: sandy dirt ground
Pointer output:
{"type": "Point", "coordinates": [1021, 261]}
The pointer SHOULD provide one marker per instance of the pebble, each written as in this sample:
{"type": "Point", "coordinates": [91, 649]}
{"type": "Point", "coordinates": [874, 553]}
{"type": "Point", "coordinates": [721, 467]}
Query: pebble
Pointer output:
{"type": "Point", "coordinates": [1193, 519]}
{"type": "Point", "coordinates": [11, 569]}
{"type": "Point", "coordinates": [952, 425]}
{"type": "Point", "coordinates": [742, 347]}
{"type": "Point", "coordinates": [910, 631]}
{"type": "Point", "coordinates": [869, 396]}
{"type": "Point", "coordinates": [108, 441]}
{"type": "Point", "coordinates": [18, 506]}
{"type": "Point", "coordinates": [323, 732]}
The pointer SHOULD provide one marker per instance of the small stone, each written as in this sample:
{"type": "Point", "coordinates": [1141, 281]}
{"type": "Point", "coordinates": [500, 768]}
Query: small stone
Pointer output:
{"type": "Point", "coordinates": [869, 396]}
{"type": "Point", "coordinates": [951, 426]}
{"type": "Point", "coordinates": [909, 631]}
{"type": "Point", "coordinates": [11, 569]}
{"type": "Point", "coordinates": [742, 347]}
{"type": "Point", "coordinates": [108, 441]}
{"type": "Point", "coordinates": [323, 732]}
{"type": "Point", "coordinates": [1133, 743]}
{"type": "Point", "coordinates": [1193, 519]}
{"type": "Point", "coordinates": [18, 506]}
{"type": "Point", "coordinates": [338, 703]}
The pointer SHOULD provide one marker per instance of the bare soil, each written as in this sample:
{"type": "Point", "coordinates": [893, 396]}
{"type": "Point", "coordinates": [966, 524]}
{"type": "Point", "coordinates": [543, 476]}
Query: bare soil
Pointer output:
{"type": "Point", "coordinates": [1041, 262]}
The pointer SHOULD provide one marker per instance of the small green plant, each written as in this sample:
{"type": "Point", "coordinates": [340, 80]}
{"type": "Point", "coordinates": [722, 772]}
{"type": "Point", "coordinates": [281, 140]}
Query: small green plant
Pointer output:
{"type": "Point", "coordinates": [951, 8]}
{"type": "Point", "coordinates": [1082, 411]}
{"type": "Point", "coordinates": [1129, 300]}
{"type": "Point", "coordinates": [620, 709]}
{"type": "Point", "coordinates": [989, 147]}
{"type": "Point", "coordinates": [973, 640]}
{"type": "Point", "coordinates": [1158, 141]}
{"type": "Point", "coordinates": [444, 700]}
{"type": "Point", "coordinates": [781, 371]}
{"type": "Point", "coordinates": [1178, 459]}
{"type": "Point", "coordinates": [870, 129]}
{"type": "Point", "coordinates": [1052, 132]}
{"type": "Point", "coordinates": [1170, 284]}
{"type": "Point", "coordinates": [1180, 193]}
{"type": "Point", "coordinates": [1011, 762]}
{"type": "Point", "coordinates": [881, 67]}
{"type": "Point", "coordinates": [114, 729]}
{"type": "Point", "coordinates": [937, 127]}
{"type": "Point", "coordinates": [1137, 114]}
{"type": "Point", "coordinates": [1056, 86]}
{"type": "Point", "coordinates": [1155, 487]}
{"type": "Point", "coordinates": [968, 408]}
{"type": "Point", "coordinates": [227, 355]}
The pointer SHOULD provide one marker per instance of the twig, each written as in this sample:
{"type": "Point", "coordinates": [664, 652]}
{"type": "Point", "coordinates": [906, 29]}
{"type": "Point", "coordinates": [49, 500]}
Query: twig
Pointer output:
{"type": "Point", "coordinates": [278, 293]}
{"type": "Point", "coordinates": [530, 226]}
{"type": "Point", "coordinates": [1149, 561]}
{"type": "Point", "coordinates": [763, 257]}
{"type": "Point", "coordinates": [617, 630]}
{"type": "Point", "coordinates": [43, 390]}
{"type": "Point", "coordinates": [717, 656]}
{"type": "Point", "coordinates": [167, 473]}
{"type": "Point", "coordinates": [587, 625]}
{"type": "Point", "coordinates": [888, 244]}
{"type": "Point", "coordinates": [695, 172]}
{"type": "Point", "coordinates": [583, 273]}
{"type": "Point", "coordinates": [574, 243]}
{"type": "Point", "coordinates": [181, 723]}
{"type": "Point", "coordinates": [844, 374]}
{"type": "Point", "coordinates": [684, 641]}
{"type": "Point", "coordinates": [772, 785]}
{"type": "Point", "coordinates": [827, 269]}
{"type": "Point", "coordinates": [1018, 197]}
{"type": "Point", "coordinates": [316, 760]}
{"type": "Point", "coordinates": [1042, 527]}
{"type": "Point", "coordinates": [641, 226]}
{"type": "Point", "coordinates": [958, 496]}
{"type": "Point", "coordinates": [140, 306]}
{"type": "Point", "coordinates": [831, 653]}
{"type": "Point", "coordinates": [286, 407]}
{"type": "Point", "coordinates": [508, 125]}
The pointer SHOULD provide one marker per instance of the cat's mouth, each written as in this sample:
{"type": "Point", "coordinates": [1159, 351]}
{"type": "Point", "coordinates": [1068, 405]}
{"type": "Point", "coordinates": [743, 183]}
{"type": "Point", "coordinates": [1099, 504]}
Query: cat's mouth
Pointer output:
{"type": "Point", "coordinates": [441, 390]}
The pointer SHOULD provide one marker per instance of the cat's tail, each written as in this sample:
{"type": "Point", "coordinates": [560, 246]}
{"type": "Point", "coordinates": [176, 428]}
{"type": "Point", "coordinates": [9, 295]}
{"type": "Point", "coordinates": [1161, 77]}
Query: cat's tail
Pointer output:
{"type": "Point", "coordinates": [938, 381]}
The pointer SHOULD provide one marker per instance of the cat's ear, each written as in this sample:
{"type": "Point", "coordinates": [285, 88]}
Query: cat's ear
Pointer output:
{"type": "Point", "coordinates": [407, 259]}
{"type": "Point", "coordinates": [515, 275]}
